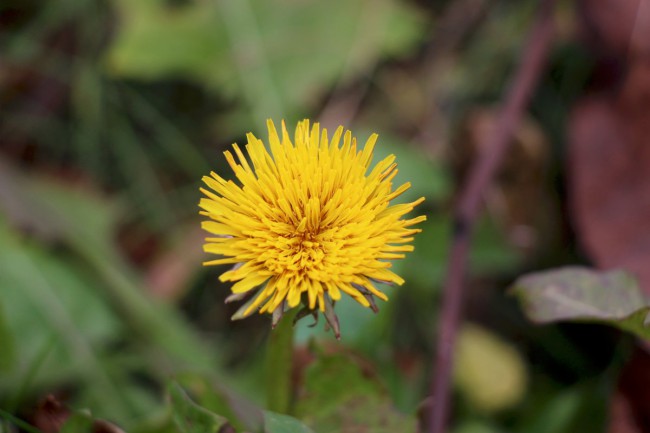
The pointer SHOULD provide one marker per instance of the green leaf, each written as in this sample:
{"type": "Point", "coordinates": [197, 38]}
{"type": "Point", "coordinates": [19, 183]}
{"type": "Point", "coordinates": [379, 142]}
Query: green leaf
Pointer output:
{"type": "Point", "coordinates": [50, 303]}
{"type": "Point", "coordinates": [78, 422]}
{"type": "Point", "coordinates": [86, 222]}
{"type": "Point", "coordinates": [277, 423]}
{"type": "Point", "coordinates": [339, 396]}
{"type": "Point", "coordinates": [69, 304]}
{"type": "Point", "coordinates": [249, 49]}
{"type": "Point", "coordinates": [189, 417]}
{"type": "Point", "coordinates": [582, 294]}
{"type": "Point", "coordinates": [215, 397]}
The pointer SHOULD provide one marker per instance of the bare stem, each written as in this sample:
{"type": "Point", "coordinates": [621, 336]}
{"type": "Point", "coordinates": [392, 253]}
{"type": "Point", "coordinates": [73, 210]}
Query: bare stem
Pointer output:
{"type": "Point", "coordinates": [496, 144]}
{"type": "Point", "coordinates": [279, 365]}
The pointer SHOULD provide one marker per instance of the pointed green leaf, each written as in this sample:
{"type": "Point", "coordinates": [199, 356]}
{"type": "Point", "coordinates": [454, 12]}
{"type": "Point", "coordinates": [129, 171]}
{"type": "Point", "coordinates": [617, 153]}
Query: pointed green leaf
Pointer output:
{"type": "Point", "coordinates": [277, 423]}
{"type": "Point", "coordinates": [189, 417]}
{"type": "Point", "coordinates": [79, 422]}
{"type": "Point", "coordinates": [216, 398]}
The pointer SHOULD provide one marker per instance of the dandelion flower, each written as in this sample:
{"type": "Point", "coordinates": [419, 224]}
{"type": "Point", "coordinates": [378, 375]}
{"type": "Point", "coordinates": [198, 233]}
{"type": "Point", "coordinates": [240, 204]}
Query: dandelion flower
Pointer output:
{"type": "Point", "coordinates": [307, 223]}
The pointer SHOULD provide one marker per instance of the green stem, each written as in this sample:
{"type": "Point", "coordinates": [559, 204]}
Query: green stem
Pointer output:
{"type": "Point", "coordinates": [279, 365]}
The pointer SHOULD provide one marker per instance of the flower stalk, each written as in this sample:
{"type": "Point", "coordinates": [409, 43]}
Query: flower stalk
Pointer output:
{"type": "Point", "coordinates": [279, 365]}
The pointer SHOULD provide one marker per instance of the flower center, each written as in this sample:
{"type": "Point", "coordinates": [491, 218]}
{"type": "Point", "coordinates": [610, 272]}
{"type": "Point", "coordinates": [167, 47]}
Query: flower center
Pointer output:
{"type": "Point", "coordinates": [308, 255]}
{"type": "Point", "coordinates": [299, 253]}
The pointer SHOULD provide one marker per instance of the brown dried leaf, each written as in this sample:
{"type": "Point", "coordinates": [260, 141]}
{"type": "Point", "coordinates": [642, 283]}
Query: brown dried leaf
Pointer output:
{"type": "Point", "coordinates": [609, 181]}
{"type": "Point", "coordinates": [50, 415]}
{"type": "Point", "coordinates": [618, 27]}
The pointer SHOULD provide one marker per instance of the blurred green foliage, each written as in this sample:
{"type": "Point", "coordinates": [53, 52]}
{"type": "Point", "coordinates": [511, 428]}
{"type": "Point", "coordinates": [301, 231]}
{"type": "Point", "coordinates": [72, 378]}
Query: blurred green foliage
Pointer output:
{"type": "Point", "coordinates": [279, 57]}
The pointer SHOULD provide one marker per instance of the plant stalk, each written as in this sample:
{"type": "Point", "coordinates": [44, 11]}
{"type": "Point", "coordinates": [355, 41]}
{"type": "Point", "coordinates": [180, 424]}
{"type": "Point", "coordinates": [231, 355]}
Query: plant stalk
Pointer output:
{"type": "Point", "coordinates": [279, 365]}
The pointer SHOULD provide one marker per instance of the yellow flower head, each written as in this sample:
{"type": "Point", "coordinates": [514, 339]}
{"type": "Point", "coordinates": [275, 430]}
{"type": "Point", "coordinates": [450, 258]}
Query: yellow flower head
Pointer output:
{"type": "Point", "coordinates": [308, 221]}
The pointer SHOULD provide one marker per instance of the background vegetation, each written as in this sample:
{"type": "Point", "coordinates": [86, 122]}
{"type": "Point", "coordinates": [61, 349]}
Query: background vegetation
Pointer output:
{"type": "Point", "coordinates": [112, 110]}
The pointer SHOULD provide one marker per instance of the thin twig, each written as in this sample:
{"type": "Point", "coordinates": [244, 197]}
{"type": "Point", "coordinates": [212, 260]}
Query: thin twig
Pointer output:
{"type": "Point", "coordinates": [496, 144]}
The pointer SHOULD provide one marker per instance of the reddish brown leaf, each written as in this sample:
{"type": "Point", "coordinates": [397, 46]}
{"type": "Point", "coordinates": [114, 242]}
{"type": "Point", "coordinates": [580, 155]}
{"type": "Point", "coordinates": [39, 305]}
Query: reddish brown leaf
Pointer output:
{"type": "Point", "coordinates": [50, 415]}
{"type": "Point", "coordinates": [618, 27]}
{"type": "Point", "coordinates": [609, 176]}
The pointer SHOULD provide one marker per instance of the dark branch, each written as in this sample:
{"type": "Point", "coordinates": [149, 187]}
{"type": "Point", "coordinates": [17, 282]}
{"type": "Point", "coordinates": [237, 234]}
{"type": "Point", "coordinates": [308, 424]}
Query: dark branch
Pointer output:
{"type": "Point", "coordinates": [496, 144]}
